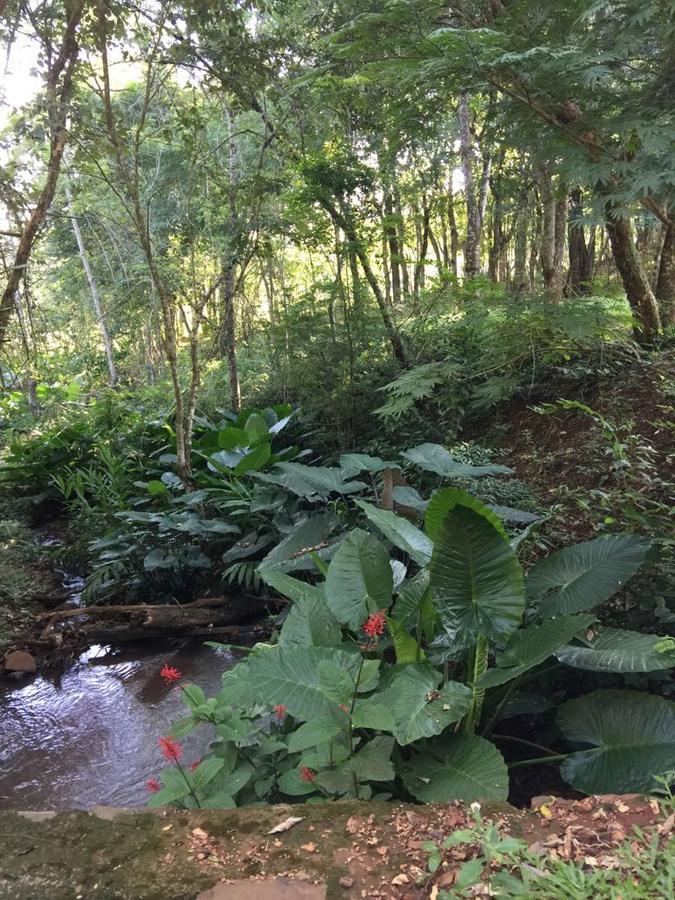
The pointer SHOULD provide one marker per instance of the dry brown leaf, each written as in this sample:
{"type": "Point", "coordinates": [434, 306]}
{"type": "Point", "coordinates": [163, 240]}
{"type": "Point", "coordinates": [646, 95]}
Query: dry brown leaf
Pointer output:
{"type": "Point", "coordinates": [285, 825]}
{"type": "Point", "coordinates": [400, 879]}
{"type": "Point", "coordinates": [310, 847]}
{"type": "Point", "coordinates": [199, 833]}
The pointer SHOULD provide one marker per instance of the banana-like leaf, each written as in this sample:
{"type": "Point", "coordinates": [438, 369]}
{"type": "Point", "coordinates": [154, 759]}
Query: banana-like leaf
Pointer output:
{"type": "Point", "coordinates": [291, 587]}
{"type": "Point", "coordinates": [631, 736]}
{"type": "Point", "coordinates": [313, 532]}
{"type": "Point", "coordinates": [402, 533]}
{"type": "Point", "coordinates": [616, 650]}
{"type": "Point", "coordinates": [443, 502]}
{"type": "Point", "coordinates": [585, 575]}
{"type": "Point", "coordinates": [528, 647]}
{"type": "Point", "coordinates": [411, 601]}
{"type": "Point", "coordinates": [405, 646]}
{"type": "Point", "coordinates": [359, 579]}
{"type": "Point", "coordinates": [476, 579]}
{"type": "Point", "coordinates": [418, 708]}
{"type": "Point", "coordinates": [459, 767]}
{"type": "Point", "coordinates": [435, 458]}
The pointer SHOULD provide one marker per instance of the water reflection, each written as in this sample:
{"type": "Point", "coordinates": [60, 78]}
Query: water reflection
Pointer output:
{"type": "Point", "coordinates": [90, 735]}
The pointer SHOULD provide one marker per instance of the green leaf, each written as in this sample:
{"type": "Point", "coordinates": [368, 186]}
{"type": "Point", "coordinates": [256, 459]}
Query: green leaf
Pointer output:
{"type": "Point", "coordinates": [205, 772]}
{"type": "Point", "coordinates": [585, 575]}
{"type": "Point", "coordinates": [373, 762]}
{"type": "Point", "coordinates": [435, 458]}
{"type": "Point", "coordinates": [529, 647]}
{"type": "Point", "coordinates": [312, 733]}
{"type": "Point", "coordinates": [406, 647]}
{"type": "Point", "coordinates": [363, 462]}
{"type": "Point", "coordinates": [443, 502]}
{"type": "Point", "coordinates": [414, 604]}
{"type": "Point", "coordinates": [615, 650]}
{"type": "Point", "coordinates": [402, 533]}
{"type": "Point", "coordinates": [359, 579]}
{"type": "Point", "coordinates": [311, 532]}
{"type": "Point", "coordinates": [231, 437]}
{"type": "Point", "coordinates": [312, 482]}
{"type": "Point", "coordinates": [310, 623]}
{"type": "Point", "coordinates": [290, 783]}
{"type": "Point", "coordinates": [255, 460]}
{"type": "Point", "coordinates": [290, 676]}
{"type": "Point", "coordinates": [370, 713]}
{"type": "Point", "coordinates": [632, 736]}
{"type": "Point", "coordinates": [256, 428]}
{"type": "Point", "coordinates": [476, 579]}
{"type": "Point", "coordinates": [155, 488]}
{"type": "Point", "coordinates": [459, 767]}
{"type": "Point", "coordinates": [418, 708]}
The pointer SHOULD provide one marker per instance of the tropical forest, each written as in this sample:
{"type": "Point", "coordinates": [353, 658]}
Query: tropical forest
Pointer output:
{"type": "Point", "coordinates": [337, 449]}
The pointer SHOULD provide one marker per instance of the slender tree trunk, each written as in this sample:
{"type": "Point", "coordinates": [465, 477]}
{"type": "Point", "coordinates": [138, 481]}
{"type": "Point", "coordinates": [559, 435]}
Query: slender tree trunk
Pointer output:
{"type": "Point", "coordinates": [472, 243]}
{"type": "Point", "coordinates": [400, 232]}
{"type": "Point", "coordinates": [229, 337]}
{"type": "Point", "coordinates": [101, 318]}
{"type": "Point", "coordinates": [59, 92]}
{"type": "Point", "coordinates": [423, 241]}
{"type": "Point", "coordinates": [394, 250]}
{"type": "Point", "coordinates": [580, 252]}
{"type": "Point", "coordinates": [553, 225]}
{"type": "Point", "coordinates": [520, 277]}
{"type": "Point", "coordinates": [665, 282]}
{"type": "Point", "coordinates": [454, 232]}
{"type": "Point", "coordinates": [647, 322]}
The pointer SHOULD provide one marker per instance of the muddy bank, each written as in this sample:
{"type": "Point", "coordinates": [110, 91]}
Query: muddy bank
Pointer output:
{"type": "Point", "coordinates": [346, 849]}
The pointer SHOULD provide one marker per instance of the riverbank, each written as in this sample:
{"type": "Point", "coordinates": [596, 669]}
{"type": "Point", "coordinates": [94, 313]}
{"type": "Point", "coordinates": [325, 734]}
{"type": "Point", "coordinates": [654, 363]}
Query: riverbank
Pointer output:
{"type": "Point", "coordinates": [333, 850]}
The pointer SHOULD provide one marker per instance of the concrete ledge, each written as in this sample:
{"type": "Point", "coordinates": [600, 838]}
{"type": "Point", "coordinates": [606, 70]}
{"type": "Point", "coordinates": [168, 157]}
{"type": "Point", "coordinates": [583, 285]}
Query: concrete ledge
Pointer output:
{"type": "Point", "coordinates": [348, 850]}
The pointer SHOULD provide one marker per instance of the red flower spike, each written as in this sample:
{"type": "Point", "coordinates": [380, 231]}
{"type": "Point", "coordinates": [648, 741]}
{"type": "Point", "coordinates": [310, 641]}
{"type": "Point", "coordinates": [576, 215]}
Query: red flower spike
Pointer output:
{"type": "Point", "coordinates": [153, 785]}
{"type": "Point", "coordinates": [195, 764]}
{"type": "Point", "coordinates": [374, 625]}
{"type": "Point", "coordinates": [169, 673]}
{"type": "Point", "coordinates": [344, 708]}
{"type": "Point", "coordinates": [171, 749]}
{"type": "Point", "coordinates": [280, 712]}
{"type": "Point", "coordinates": [306, 774]}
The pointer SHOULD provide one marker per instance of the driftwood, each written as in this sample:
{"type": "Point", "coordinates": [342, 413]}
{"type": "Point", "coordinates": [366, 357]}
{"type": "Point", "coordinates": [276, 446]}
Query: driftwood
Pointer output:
{"type": "Point", "coordinates": [206, 602]}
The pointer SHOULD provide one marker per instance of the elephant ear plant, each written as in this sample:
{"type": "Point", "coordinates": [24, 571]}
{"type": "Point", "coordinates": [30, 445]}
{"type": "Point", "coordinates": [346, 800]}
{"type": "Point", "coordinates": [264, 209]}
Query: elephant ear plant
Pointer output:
{"type": "Point", "coordinates": [389, 674]}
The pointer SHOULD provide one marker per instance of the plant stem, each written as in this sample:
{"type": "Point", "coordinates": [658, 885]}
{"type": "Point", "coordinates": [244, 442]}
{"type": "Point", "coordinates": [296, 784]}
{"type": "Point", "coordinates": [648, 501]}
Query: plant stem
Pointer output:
{"type": "Point", "coordinates": [480, 663]}
{"type": "Point", "coordinates": [187, 782]}
{"type": "Point", "coordinates": [538, 761]}
{"type": "Point", "coordinates": [499, 707]}
{"type": "Point", "coordinates": [517, 740]}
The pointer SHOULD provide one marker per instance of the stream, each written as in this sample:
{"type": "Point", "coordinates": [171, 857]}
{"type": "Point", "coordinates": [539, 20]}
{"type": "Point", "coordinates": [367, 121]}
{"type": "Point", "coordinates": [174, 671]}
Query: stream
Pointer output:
{"type": "Point", "coordinates": [89, 736]}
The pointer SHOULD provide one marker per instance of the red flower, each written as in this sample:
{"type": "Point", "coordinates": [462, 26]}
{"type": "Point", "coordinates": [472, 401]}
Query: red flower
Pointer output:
{"type": "Point", "coordinates": [153, 785]}
{"type": "Point", "coordinates": [306, 774]}
{"type": "Point", "coordinates": [194, 765]}
{"type": "Point", "coordinates": [169, 673]}
{"type": "Point", "coordinates": [374, 625]}
{"type": "Point", "coordinates": [171, 749]}
{"type": "Point", "coordinates": [344, 708]}
{"type": "Point", "coordinates": [280, 712]}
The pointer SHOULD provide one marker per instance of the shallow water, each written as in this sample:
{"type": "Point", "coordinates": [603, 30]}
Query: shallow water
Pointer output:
{"type": "Point", "coordinates": [89, 736]}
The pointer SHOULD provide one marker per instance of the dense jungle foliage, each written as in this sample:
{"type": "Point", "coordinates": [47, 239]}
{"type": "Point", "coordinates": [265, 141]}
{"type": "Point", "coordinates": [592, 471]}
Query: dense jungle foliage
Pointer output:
{"type": "Point", "coordinates": [364, 308]}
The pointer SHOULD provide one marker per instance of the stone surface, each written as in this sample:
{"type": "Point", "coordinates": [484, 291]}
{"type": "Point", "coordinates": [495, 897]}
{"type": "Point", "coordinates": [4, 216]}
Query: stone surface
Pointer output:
{"type": "Point", "coordinates": [20, 661]}
{"type": "Point", "coordinates": [268, 889]}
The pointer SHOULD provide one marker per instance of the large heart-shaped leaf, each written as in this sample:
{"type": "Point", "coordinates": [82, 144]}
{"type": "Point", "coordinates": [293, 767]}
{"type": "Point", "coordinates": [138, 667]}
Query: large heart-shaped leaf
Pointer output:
{"type": "Point", "coordinates": [585, 575]}
{"type": "Point", "coordinates": [310, 623]}
{"type": "Point", "coordinates": [312, 482]}
{"type": "Point", "coordinates": [359, 579]}
{"type": "Point", "coordinates": [291, 676]}
{"type": "Point", "coordinates": [402, 533]}
{"type": "Point", "coordinates": [363, 462]}
{"type": "Point", "coordinates": [631, 736]}
{"type": "Point", "coordinates": [418, 708]}
{"type": "Point", "coordinates": [435, 458]}
{"type": "Point", "coordinates": [615, 650]}
{"type": "Point", "coordinates": [476, 579]}
{"type": "Point", "coordinates": [459, 767]}
{"type": "Point", "coordinates": [312, 532]}
{"type": "Point", "coordinates": [530, 646]}
{"type": "Point", "coordinates": [443, 502]}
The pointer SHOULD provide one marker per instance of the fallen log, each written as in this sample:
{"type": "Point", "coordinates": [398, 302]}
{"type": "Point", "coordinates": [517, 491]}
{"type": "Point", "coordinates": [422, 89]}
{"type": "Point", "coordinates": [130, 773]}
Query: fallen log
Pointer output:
{"type": "Point", "coordinates": [203, 603]}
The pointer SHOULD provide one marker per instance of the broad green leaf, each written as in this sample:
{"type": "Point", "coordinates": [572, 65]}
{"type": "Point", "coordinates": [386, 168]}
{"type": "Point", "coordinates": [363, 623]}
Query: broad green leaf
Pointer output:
{"type": "Point", "coordinates": [312, 733]}
{"type": "Point", "coordinates": [529, 647]}
{"type": "Point", "coordinates": [363, 462]}
{"type": "Point", "coordinates": [418, 708]}
{"type": "Point", "coordinates": [231, 437]}
{"type": "Point", "coordinates": [458, 767]}
{"type": "Point", "coordinates": [435, 458]}
{"type": "Point", "coordinates": [312, 532]}
{"type": "Point", "coordinates": [256, 428]}
{"type": "Point", "coordinates": [310, 623]}
{"type": "Point", "coordinates": [290, 587]}
{"type": "Point", "coordinates": [254, 460]}
{"type": "Point", "coordinates": [370, 713]}
{"type": "Point", "coordinates": [312, 482]}
{"type": "Point", "coordinates": [476, 579]}
{"type": "Point", "coordinates": [155, 488]}
{"type": "Point", "coordinates": [402, 533]}
{"type": "Point", "coordinates": [406, 647]}
{"type": "Point", "coordinates": [585, 575]}
{"type": "Point", "coordinates": [290, 676]}
{"type": "Point", "coordinates": [404, 495]}
{"type": "Point", "coordinates": [336, 682]}
{"type": "Point", "coordinates": [443, 502]}
{"type": "Point", "coordinates": [206, 771]}
{"type": "Point", "coordinates": [219, 800]}
{"type": "Point", "coordinates": [359, 579]}
{"type": "Point", "coordinates": [631, 736]}
{"type": "Point", "coordinates": [508, 514]}
{"type": "Point", "coordinates": [373, 762]}
{"type": "Point", "coordinates": [292, 784]}
{"type": "Point", "coordinates": [414, 605]}
{"type": "Point", "coordinates": [615, 650]}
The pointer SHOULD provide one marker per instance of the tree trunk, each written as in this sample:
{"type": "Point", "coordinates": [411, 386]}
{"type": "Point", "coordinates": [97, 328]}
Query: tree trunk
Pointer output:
{"type": "Point", "coordinates": [454, 233]}
{"type": "Point", "coordinates": [59, 91]}
{"type": "Point", "coordinates": [229, 337]}
{"type": "Point", "coordinates": [665, 282]}
{"type": "Point", "coordinates": [394, 251]}
{"type": "Point", "coordinates": [101, 318]}
{"type": "Point", "coordinates": [520, 277]}
{"type": "Point", "coordinates": [646, 319]}
{"type": "Point", "coordinates": [423, 228]}
{"type": "Point", "coordinates": [553, 224]}
{"type": "Point", "coordinates": [581, 253]}
{"type": "Point", "coordinates": [471, 246]}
